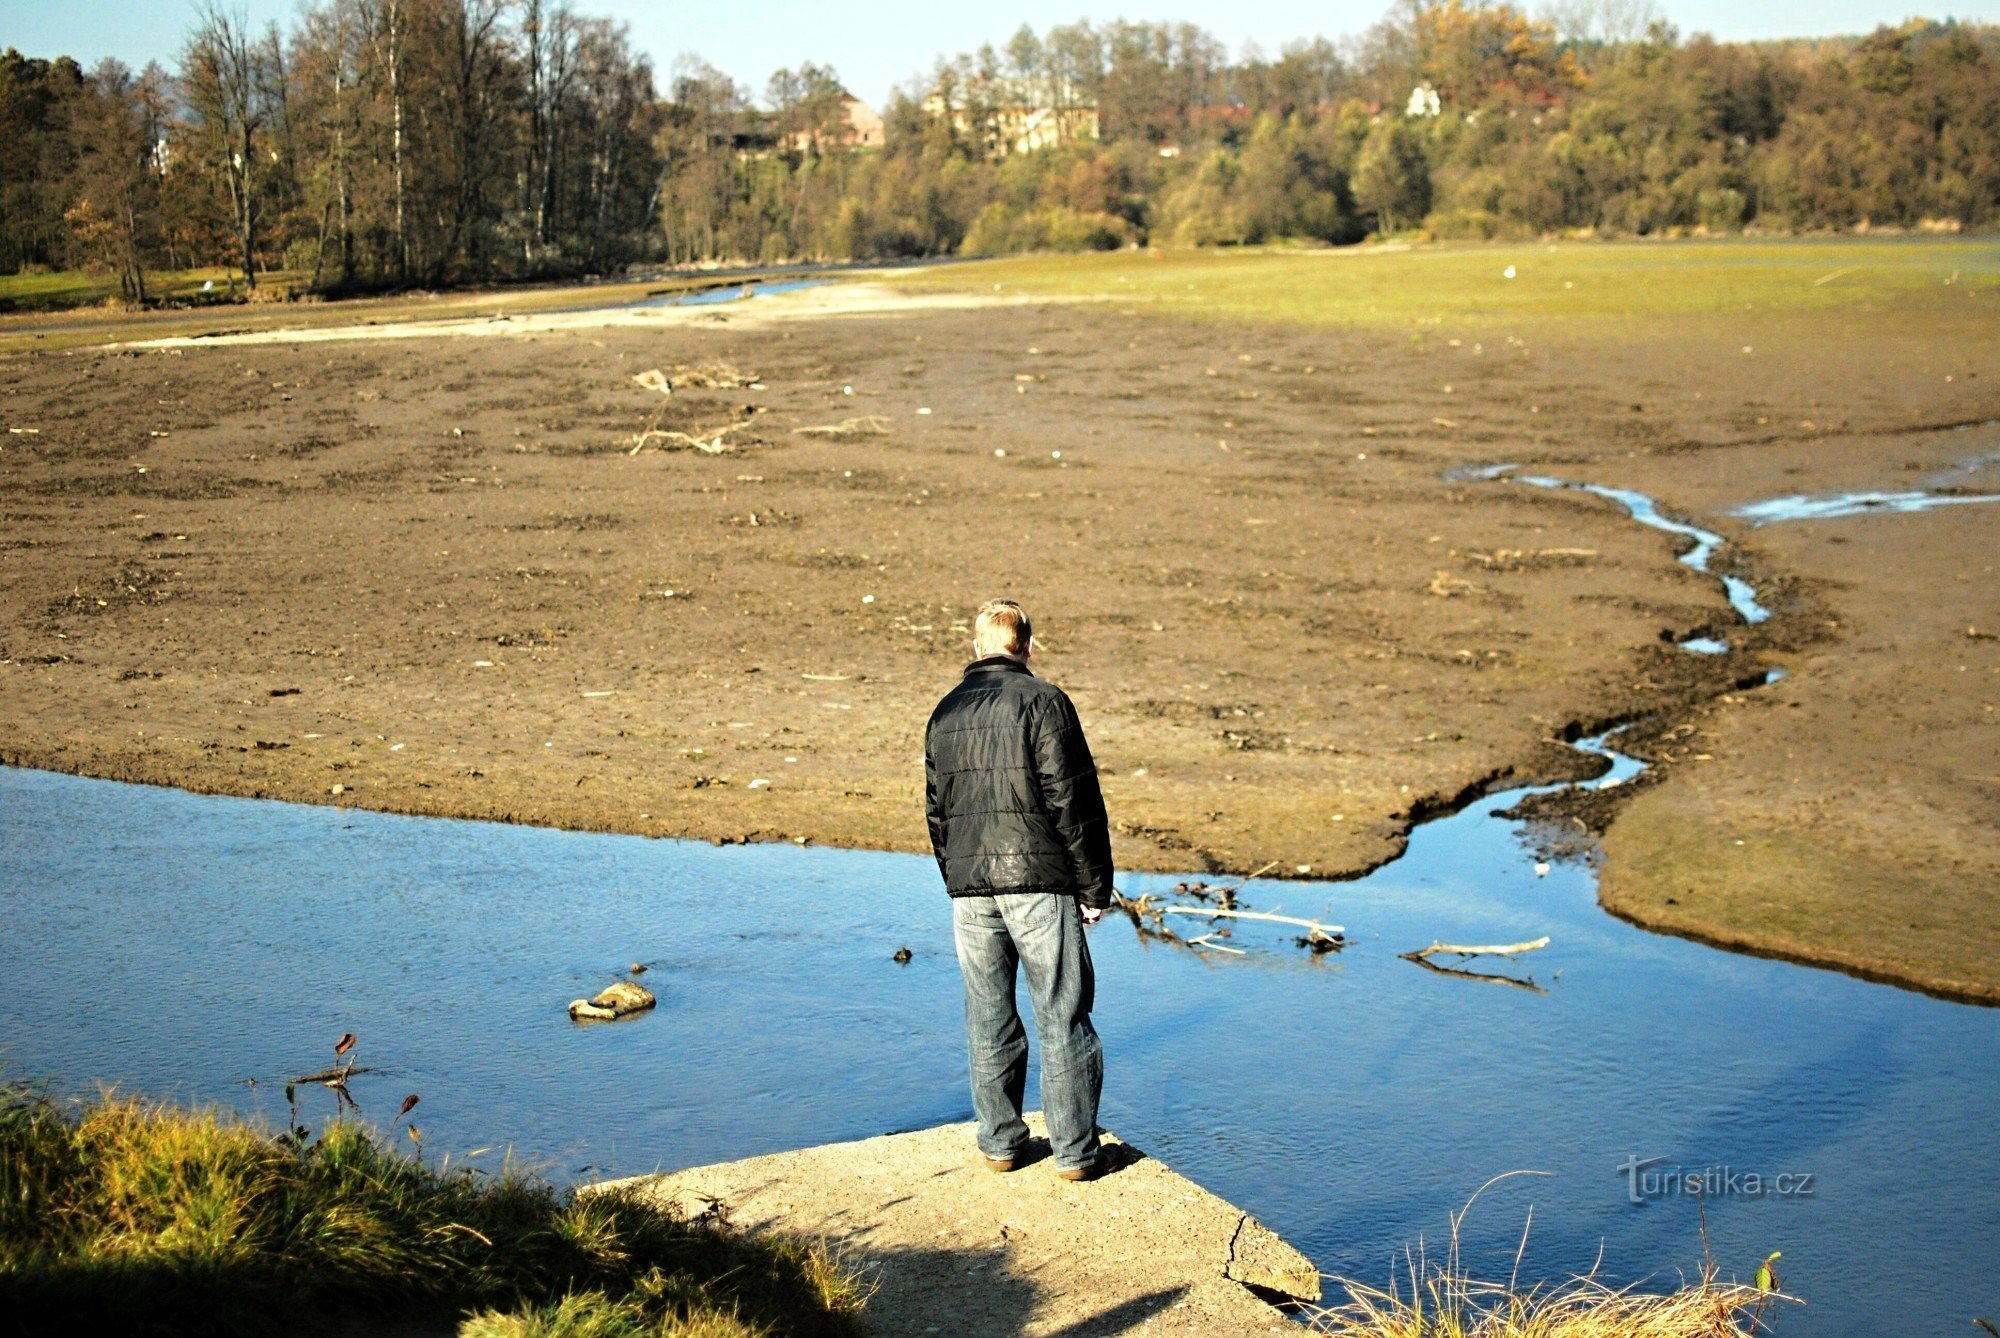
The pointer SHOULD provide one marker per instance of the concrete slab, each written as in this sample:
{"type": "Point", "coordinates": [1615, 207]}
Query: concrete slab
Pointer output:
{"type": "Point", "coordinates": [955, 1249]}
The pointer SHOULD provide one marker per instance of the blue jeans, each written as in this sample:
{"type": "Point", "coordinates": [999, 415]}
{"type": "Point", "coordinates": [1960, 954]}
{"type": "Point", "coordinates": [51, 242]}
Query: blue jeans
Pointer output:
{"type": "Point", "coordinates": [1042, 933]}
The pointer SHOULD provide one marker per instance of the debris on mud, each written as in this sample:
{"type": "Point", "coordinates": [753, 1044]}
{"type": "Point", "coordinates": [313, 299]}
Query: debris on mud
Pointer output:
{"type": "Point", "coordinates": [699, 376]}
{"type": "Point", "coordinates": [868, 425]}
{"type": "Point", "coordinates": [667, 440]}
{"type": "Point", "coordinates": [1446, 586]}
{"type": "Point", "coordinates": [1528, 559]}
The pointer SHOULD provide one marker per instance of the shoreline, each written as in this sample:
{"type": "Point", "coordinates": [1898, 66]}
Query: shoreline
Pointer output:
{"type": "Point", "coordinates": [443, 585]}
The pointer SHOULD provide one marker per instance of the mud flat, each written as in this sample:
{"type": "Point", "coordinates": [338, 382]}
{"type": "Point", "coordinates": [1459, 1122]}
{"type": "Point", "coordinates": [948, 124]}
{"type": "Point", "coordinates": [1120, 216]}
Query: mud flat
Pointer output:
{"type": "Point", "coordinates": [954, 1248]}
{"type": "Point", "coordinates": [429, 576]}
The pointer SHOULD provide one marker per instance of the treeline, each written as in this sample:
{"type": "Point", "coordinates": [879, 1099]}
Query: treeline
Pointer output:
{"type": "Point", "coordinates": [393, 142]}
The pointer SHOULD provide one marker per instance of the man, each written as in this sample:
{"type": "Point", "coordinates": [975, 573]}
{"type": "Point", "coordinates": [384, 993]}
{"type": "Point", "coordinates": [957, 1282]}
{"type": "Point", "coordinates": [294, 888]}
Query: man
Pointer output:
{"type": "Point", "coordinates": [1018, 825]}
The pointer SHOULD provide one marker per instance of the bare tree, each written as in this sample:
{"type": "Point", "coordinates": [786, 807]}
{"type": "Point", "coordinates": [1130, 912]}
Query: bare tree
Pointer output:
{"type": "Point", "coordinates": [1606, 22]}
{"type": "Point", "coordinates": [224, 83]}
{"type": "Point", "coordinates": [114, 215]}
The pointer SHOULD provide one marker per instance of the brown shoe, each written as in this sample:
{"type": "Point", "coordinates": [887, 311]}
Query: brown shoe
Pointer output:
{"type": "Point", "coordinates": [1002, 1165]}
{"type": "Point", "coordinates": [1090, 1170]}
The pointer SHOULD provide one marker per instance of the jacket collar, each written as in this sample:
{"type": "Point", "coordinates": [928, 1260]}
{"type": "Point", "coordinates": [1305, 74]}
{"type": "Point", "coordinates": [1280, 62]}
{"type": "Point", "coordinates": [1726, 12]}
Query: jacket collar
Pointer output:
{"type": "Point", "coordinates": [997, 664]}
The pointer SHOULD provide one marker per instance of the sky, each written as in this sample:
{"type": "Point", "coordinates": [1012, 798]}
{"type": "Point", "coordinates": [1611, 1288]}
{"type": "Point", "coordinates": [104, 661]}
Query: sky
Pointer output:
{"type": "Point", "coordinates": [881, 44]}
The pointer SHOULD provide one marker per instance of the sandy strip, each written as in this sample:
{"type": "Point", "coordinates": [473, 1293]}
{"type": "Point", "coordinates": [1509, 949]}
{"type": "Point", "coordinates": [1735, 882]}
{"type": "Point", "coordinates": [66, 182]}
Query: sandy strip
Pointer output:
{"type": "Point", "coordinates": [824, 300]}
{"type": "Point", "coordinates": [956, 1249]}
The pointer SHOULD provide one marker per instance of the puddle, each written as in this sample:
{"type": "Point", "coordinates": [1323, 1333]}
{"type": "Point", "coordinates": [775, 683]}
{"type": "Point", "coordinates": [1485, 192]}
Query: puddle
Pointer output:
{"type": "Point", "coordinates": [1835, 505]}
{"type": "Point", "coordinates": [706, 297]}
{"type": "Point", "coordinates": [713, 295]}
{"type": "Point", "coordinates": [1704, 645]}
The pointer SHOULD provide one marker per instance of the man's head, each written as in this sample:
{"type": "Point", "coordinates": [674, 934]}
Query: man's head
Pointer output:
{"type": "Point", "coordinates": [1002, 628]}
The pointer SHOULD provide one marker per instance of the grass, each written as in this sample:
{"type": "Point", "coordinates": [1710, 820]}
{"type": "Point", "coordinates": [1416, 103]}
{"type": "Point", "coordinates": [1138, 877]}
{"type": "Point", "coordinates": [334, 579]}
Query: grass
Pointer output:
{"type": "Point", "coordinates": [121, 1215]}
{"type": "Point", "coordinates": [1466, 284]}
{"type": "Point", "coordinates": [1442, 1300]}
{"type": "Point", "coordinates": [1440, 1307]}
{"type": "Point", "coordinates": [58, 289]}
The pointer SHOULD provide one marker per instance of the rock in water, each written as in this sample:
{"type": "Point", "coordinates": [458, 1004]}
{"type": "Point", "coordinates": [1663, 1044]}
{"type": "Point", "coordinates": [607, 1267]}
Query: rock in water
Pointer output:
{"type": "Point", "coordinates": [616, 1000]}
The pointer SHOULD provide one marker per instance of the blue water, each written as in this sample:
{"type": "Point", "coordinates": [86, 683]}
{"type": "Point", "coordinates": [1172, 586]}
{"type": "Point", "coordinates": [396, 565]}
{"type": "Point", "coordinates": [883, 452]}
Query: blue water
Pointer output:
{"type": "Point", "coordinates": [178, 944]}
{"type": "Point", "coordinates": [726, 293]}
{"type": "Point", "coordinates": [1836, 505]}
{"type": "Point", "coordinates": [1742, 596]}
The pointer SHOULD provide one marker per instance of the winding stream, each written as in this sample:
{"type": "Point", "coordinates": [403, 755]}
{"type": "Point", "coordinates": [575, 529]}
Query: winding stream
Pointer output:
{"type": "Point", "coordinates": [179, 944]}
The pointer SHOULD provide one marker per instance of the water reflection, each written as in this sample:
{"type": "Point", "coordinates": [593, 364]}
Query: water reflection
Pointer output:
{"type": "Point", "coordinates": [180, 943]}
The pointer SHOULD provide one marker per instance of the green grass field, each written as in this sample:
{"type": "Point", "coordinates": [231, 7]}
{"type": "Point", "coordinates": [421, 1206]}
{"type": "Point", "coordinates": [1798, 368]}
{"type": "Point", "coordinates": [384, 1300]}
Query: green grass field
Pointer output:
{"type": "Point", "coordinates": [64, 289]}
{"type": "Point", "coordinates": [1446, 284]}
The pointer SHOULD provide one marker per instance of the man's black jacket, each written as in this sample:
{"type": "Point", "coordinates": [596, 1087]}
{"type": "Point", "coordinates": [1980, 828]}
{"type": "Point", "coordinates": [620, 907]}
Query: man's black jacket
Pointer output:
{"type": "Point", "coordinates": [1012, 791]}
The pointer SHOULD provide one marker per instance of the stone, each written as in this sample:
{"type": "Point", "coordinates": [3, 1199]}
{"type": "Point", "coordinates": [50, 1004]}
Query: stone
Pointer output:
{"type": "Point", "coordinates": [619, 999]}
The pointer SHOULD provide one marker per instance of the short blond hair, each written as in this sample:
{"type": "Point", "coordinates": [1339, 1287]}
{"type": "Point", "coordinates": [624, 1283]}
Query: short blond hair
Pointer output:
{"type": "Point", "coordinates": [1002, 628]}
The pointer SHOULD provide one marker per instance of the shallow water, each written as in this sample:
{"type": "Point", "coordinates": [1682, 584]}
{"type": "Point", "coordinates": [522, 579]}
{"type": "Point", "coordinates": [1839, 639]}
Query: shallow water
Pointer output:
{"type": "Point", "coordinates": [1836, 505]}
{"type": "Point", "coordinates": [1700, 556]}
{"type": "Point", "coordinates": [732, 292]}
{"type": "Point", "coordinates": [177, 943]}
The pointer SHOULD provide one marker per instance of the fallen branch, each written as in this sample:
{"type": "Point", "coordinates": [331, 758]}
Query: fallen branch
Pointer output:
{"type": "Point", "coordinates": [335, 1077]}
{"type": "Point", "coordinates": [1462, 950]}
{"type": "Point", "coordinates": [1487, 976]}
{"type": "Point", "coordinates": [869, 425]}
{"type": "Point", "coordinates": [715, 445]}
{"type": "Point", "coordinates": [1333, 931]}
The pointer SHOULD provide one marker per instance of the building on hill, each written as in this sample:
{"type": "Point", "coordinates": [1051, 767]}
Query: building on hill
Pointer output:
{"type": "Point", "coordinates": [852, 125]}
{"type": "Point", "coordinates": [1008, 116]}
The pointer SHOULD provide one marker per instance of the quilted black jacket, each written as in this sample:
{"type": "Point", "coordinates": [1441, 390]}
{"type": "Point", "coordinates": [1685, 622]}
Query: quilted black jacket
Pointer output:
{"type": "Point", "coordinates": [1011, 789]}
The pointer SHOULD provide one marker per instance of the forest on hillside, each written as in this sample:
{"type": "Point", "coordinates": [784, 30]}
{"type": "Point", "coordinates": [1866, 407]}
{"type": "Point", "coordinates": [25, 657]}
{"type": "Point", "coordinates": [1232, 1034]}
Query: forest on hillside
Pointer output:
{"type": "Point", "coordinates": [390, 143]}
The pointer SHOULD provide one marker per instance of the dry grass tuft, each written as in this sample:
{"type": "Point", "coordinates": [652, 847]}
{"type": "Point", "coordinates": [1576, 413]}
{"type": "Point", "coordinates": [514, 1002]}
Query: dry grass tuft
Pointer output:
{"type": "Point", "coordinates": [1443, 1306]}
{"type": "Point", "coordinates": [1442, 1300]}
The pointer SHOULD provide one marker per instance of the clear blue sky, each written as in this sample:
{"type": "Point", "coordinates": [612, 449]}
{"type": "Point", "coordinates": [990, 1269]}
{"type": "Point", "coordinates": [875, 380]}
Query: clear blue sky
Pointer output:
{"type": "Point", "coordinates": [877, 45]}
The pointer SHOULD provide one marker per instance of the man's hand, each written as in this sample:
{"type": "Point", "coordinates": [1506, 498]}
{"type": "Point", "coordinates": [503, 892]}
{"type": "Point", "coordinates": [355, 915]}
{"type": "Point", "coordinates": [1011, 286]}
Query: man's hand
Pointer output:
{"type": "Point", "coordinates": [1092, 914]}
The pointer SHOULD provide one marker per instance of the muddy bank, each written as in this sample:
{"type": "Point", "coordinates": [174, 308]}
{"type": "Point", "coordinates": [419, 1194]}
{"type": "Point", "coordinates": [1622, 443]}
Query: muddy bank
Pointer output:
{"type": "Point", "coordinates": [1847, 815]}
{"type": "Point", "coordinates": [430, 577]}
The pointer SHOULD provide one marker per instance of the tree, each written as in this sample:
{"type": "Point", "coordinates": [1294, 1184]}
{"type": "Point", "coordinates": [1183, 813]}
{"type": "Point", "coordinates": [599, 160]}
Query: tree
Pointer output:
{"type": "Point", "coordinates": [1392, 176]}
{"type": "Point", "coordinates": [114, 213]}
{"type": "Point", "coordinates": [225, 80]}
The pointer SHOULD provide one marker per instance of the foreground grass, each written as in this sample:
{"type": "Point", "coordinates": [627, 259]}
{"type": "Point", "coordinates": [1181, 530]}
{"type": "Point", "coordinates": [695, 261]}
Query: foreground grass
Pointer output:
{"type": "Point", "coordinates": [1442, 1299]}
{"type": "Point", "coordinates": [1443, 1306]}
{"type": "Point", "coordinates": [126, 1216]}
{"type": "Point", "coordinates": [1429, 285]}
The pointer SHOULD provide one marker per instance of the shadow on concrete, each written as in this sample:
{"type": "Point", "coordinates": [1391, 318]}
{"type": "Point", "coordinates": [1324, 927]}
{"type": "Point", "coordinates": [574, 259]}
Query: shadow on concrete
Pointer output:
{"type": "Point", "coordinates": [975, 1294]}
{"type": "Point", "coordinates": [1124, 1317]}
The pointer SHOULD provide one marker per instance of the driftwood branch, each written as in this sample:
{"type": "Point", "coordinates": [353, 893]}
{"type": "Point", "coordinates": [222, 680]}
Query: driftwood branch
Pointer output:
{"type": "Point", "coordinates": [1212, 911]}
{"type": "Point", "coordinates": [715, 445]}
{"type": "Point", "coordinates": [1463, 950]}
{"type": "Point", "coordinates": [335, 1077]}
{"type": "Point", "coordinates": [1490, 978]}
